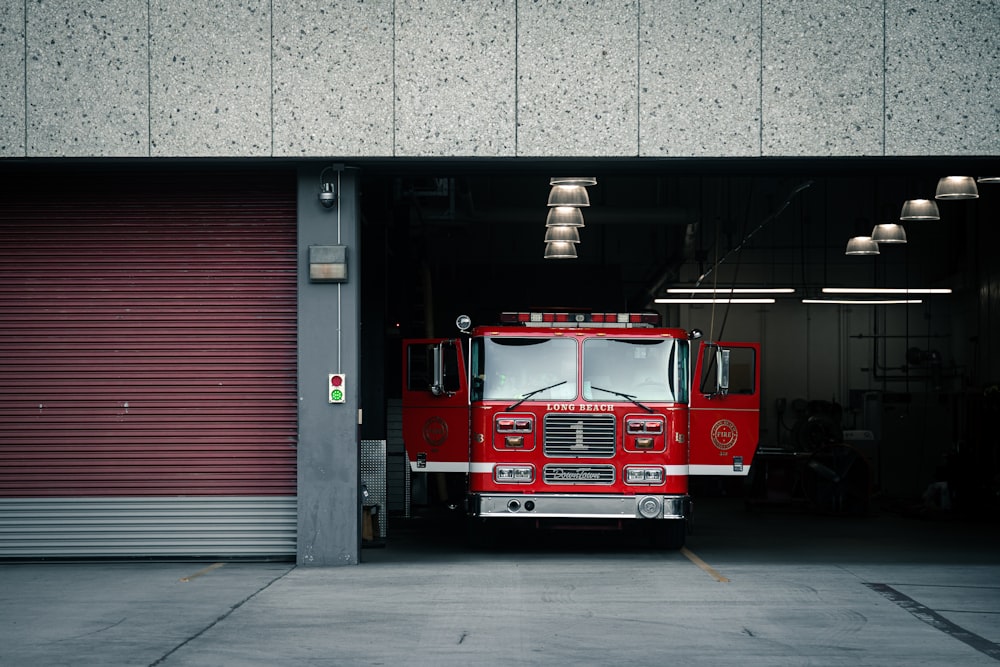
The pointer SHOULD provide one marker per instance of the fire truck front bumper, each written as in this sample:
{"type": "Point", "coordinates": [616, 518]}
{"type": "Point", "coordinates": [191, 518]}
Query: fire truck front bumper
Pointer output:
{"type": "Point", "coordinates": [579, 506]}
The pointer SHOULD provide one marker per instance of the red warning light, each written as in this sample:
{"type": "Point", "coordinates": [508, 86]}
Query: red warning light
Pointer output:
{"type": "Point", "coordinates": [336, 380]}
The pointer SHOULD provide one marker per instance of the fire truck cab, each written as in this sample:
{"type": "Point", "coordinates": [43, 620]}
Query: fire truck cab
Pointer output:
{"type": "Point", "coordinates": [580, 417]}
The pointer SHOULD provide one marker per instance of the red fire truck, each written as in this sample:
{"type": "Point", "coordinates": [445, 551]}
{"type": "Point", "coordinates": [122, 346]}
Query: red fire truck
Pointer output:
{"type": "Point", "coordinates": [598, 417]}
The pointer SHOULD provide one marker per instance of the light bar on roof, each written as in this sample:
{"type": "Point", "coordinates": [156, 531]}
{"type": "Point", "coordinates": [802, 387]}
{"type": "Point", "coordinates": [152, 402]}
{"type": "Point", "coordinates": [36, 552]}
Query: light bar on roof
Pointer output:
{"type": "Point", "coordinates": [566, 319]}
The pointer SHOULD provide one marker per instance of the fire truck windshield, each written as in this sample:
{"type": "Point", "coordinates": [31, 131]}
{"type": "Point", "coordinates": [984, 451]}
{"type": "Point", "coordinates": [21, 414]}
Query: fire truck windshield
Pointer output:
{"type": "Point", "coordinates": [634, 369]}
{"type": "Point", "coordinates": [530, 368]}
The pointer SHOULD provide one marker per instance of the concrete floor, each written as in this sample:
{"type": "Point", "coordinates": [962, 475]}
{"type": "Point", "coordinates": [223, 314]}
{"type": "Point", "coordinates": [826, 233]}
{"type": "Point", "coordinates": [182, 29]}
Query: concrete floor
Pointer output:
{"type": "Point", "coordinates": [772, 586]}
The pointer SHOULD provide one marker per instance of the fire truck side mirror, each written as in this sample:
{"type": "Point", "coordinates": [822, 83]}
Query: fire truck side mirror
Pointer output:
{"type": "Point", "coordinates": [437, 371]}
{"type": "Point", "coordinates": [715, 371]}
{"type": "Point", "coordinates": [722, 366]}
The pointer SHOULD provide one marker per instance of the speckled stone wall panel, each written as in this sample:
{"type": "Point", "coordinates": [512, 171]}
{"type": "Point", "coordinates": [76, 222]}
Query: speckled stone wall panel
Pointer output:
{"type": "Point", "coordinates": [699, 78]}
{"type": "Point", "coordinates": [455, 86]}
{"type": "Point", "coordinates": [12, 105]}
{"type": "Point", "coordinates": [943, 77]}
{"type": "Point", "coordinates": [577, 72]}
{"type": "Point", "coordinates": [210, 88]}
{"type": "Point", "coordinates": [333, 77]}
{"type": "Point", "coordinates": [822, 78]}
{"type": "Point", "coordinates": [88, 81]}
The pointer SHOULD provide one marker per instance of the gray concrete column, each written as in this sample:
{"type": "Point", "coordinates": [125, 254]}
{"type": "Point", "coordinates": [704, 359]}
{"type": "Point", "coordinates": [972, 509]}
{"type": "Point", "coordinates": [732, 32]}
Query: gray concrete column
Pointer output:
{"type": "Point", "coordinates": [328, 342]}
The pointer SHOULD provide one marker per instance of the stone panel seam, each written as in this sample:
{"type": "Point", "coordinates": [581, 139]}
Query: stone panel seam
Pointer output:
{"type": "Point", "coordinates": [395, 121]}
{"type": "Point", "coordinates": [760, 82]}
{"type": "Point", "coordinates": [149, 78]}
{"type": "Point", "coordinates": [517, 80]}
{"type": "Point", "coordinates": [24, 16]}
{"type": "Point", "coordinates": [270, 67]}
{"type": "Point", "coordinates": [885, 72]}
{"type": "Point", "coordinates": [638, 78]}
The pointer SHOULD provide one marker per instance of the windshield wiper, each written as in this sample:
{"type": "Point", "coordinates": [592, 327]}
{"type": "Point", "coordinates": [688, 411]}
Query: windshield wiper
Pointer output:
{"type": "Point", "coordinates": [525, 397]}
{"type": "Point", "coordinates": [625, 396]}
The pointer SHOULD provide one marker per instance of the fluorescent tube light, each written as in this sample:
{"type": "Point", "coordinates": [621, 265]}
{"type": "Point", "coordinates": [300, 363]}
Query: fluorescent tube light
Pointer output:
{"type": "Point", "coordinates": [709, 300]}
{"type": "Point", "coordinates": [730, 290]}
{"type": "Point", "coordinates": [864, 302]}
{"type": "Point", "coordinates": [885, 290]}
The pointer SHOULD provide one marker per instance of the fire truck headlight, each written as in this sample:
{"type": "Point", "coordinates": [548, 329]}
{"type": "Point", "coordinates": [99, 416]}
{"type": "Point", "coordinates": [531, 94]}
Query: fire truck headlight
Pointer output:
{"type": "Point", "coordinates": [649, 475]}
{"type": "Point", "coordinates": [643, 443]}
{"type": "Point", "coordinates": [649, 507]}
{"type": "Point", "coordinates": [514, 474]}
{"type": "Point", "coordinates": [514, 441]}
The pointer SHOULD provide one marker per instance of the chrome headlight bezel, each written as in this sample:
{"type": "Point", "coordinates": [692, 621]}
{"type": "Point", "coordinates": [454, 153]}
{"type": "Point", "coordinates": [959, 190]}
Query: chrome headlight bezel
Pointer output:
{"type": "Point", "coordinates": [507, 473]}
{"type": "Point", "coordinates": [644, 475]}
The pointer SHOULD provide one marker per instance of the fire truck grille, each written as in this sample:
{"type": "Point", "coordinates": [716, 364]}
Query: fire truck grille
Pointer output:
{"type": "Point", "coordinates": [570, 474]}
{"type": "Point", "coordinates": [577, 436]}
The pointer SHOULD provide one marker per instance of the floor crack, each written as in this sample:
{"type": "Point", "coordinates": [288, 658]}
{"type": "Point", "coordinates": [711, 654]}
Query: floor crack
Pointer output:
{"type": "Point", "coordinates": [220, 618]}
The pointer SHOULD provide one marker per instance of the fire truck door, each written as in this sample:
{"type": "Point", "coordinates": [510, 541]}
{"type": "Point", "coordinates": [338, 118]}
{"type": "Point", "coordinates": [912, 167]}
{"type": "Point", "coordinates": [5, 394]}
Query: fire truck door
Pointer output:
{"type": "Point", "coordinates": [435, 406]}
{"type": "Point", "coordinates": [725, 409]}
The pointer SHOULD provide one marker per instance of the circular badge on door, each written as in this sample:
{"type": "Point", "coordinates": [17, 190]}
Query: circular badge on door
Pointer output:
{"type": "Point", "coordinates": [435, 431]}
{"type": "Point", "coordinates": [724, 434]}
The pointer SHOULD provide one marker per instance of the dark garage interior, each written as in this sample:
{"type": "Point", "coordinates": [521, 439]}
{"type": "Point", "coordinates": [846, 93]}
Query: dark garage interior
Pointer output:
{"type": "Point", "coordinates": [917, 382]}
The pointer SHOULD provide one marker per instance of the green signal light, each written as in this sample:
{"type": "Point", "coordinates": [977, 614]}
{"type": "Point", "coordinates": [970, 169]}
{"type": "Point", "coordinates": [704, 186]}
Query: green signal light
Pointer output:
{"type": "Point", "coordinates": [336, 395]}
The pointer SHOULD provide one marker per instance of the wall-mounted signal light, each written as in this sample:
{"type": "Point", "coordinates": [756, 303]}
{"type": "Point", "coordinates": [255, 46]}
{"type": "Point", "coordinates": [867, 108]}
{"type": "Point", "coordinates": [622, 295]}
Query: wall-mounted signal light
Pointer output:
{"type": "Point", "coordinates": [337, 388]}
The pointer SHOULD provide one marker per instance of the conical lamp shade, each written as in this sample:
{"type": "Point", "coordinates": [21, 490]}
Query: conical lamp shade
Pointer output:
{"type": "Point", "coordinates": [564, 216]}
{"type": "Point", "coordinates": [889, 233]}
{"type": "Point", "coordinates": [861, 245]}
{"type": "Point", "coordinates": [567, 234]}
{"type": "Point", "coordinates": [957, 187]}
{"type": "Point", "coordinates": [560, 250]}
{"type": "Point", "coordinates": [920, 209]}
{"type": "Point", "coordinates": [569, 195]}
{"type": "Point", "coordinates": [573, 180]}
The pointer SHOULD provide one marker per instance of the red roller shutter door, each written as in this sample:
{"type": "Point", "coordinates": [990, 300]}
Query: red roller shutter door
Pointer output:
{"type": "Point", "coordinates": [147, 366]}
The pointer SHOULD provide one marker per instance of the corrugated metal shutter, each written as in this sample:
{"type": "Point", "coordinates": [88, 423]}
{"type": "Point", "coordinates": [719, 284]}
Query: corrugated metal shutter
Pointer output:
{"type": "Point", "coordinates": [147, 348]}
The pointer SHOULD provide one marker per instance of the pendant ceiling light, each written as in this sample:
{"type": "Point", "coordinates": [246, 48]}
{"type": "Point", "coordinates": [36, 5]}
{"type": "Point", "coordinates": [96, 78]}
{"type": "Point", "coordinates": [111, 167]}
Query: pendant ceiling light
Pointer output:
{"type": "Point", "coordinates": [989, 179]}
{"type": "Point", "coordinates": [560, 250]}
{"type": "Point", "coordinates": [861, 245]}
{"type": "Point", "coordinates": [562, 233]}
{"type": "Point", "coordinates": [569, 195]}
{"type": "Point", "coordinates": [573, 180]}
{"type": "Point", "coordinates": [957, 187]}
{"type": "Point", "coordinates": [889, 233]}
{"type": "Point", "coordinates": [920, 209]}
{"type": "Point", "coordinates": [564, 216]}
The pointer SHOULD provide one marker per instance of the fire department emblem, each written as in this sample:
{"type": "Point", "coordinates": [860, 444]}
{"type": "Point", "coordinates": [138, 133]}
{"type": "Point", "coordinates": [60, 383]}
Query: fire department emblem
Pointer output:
{"type": "Point", "coordinates": [435, 431]}
{"type": "Point", "coordinates": [724, 434]}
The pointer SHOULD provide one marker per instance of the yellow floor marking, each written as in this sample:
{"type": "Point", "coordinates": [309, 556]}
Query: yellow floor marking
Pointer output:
{"type": "Point", "coordinates": [214, 566]}
{"type": "Point", "coordinates": [703, 565]}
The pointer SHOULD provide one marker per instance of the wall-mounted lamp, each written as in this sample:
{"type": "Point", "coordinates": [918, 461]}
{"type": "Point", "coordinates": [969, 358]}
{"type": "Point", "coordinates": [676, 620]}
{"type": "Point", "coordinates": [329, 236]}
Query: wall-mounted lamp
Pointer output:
{"type": "Point", "coordinates": [861, 245]}
{"type": "Point", "coordinates": [327, 189]}
{"type": "Point", "coordinates": [957, 187]}
{"type": "Point", "coordinates": [920, 209]}
{"type": "Point", "coordinates": [328, 263]}
{"type": "Point", "coordinates": [889, 233]}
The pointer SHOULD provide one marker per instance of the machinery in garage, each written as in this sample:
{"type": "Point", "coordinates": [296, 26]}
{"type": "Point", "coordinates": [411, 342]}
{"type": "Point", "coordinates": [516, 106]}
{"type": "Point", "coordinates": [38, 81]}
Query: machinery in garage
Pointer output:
{"type": "Point", "coordinates": [579, 418]}
{"type": "Point", "coordinates": [823, 467]}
